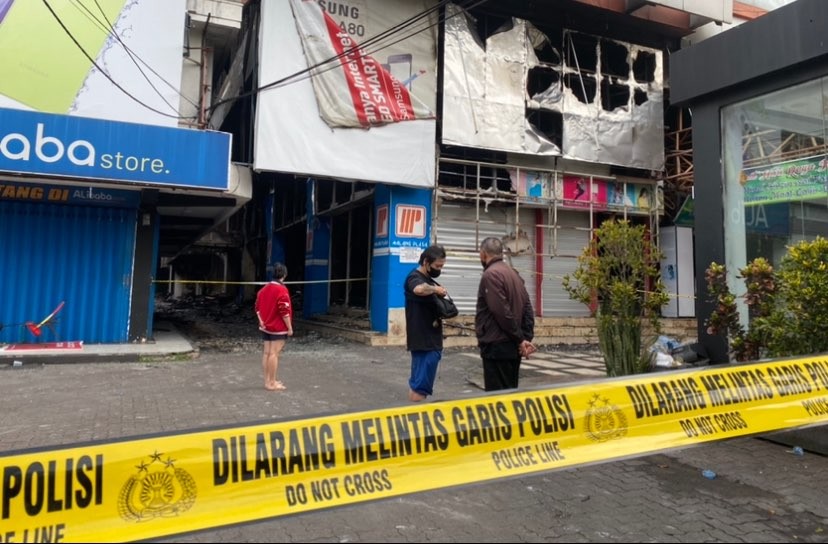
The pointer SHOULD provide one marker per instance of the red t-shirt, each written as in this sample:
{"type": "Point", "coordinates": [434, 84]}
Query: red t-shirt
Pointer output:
{"type": "Point", "coordinates": [272, 306]}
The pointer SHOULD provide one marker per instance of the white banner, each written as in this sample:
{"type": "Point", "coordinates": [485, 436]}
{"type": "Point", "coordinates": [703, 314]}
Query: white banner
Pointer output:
{"type": "Point", "coordinates": [355, 90]}
{"type": "Point", "coordinates": [388, 94]}
{"type": "Point", "coordinates": [135, 43]}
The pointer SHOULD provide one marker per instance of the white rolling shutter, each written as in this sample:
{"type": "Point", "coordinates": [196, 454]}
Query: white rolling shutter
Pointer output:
{"type": "Point", "coordinates": [561, 250]}
{"type": "Point", "coordinates": [460, 231]}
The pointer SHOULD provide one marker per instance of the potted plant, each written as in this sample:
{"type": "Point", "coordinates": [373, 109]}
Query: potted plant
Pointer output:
{"type": "Point", "coordinates": [618, 278]}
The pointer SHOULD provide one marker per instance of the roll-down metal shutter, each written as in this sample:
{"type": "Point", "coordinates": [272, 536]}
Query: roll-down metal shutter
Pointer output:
{"type": "Point", "coordinates": [562, 248]}
{"type": "Point", "coordinates": [80, 255]}
{"type": "Point", "coordinates": [460, 231]}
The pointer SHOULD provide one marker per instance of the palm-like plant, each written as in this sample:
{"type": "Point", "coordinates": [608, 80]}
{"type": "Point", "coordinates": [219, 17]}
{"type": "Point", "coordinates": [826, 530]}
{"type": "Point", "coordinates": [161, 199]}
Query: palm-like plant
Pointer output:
{"type": "Point", "coordinates": [618, 277]}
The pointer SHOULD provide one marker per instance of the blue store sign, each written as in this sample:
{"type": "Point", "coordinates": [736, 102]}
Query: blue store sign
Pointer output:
{"type": "Point", "coordinates": [79, 147]}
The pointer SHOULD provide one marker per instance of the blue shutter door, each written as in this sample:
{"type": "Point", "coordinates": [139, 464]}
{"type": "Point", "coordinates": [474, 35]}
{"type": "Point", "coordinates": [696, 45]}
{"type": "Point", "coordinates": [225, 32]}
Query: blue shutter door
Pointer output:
{"type": "Point", "coordinates": [80, 255]}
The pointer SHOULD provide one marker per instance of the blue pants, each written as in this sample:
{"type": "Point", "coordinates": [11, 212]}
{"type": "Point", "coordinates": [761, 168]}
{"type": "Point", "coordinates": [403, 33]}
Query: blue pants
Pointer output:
{"type": "Point", "coordinates": [424, 371]}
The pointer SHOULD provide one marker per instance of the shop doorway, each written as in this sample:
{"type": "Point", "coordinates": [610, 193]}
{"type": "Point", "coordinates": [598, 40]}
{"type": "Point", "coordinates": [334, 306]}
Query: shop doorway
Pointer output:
{"type": "Point", "coordinates": [351, 257]}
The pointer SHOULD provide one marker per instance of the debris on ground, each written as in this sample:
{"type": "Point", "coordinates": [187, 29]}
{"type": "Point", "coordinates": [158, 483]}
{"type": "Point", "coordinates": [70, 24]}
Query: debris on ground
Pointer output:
{"type": "Point", "coordinates": [220, 323]}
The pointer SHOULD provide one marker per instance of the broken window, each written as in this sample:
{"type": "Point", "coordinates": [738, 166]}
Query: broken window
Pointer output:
{"type": "Point", "coordinates": [540, 80]}
{"type": "Point", "coordinates": [516, 87]}
{"type": "Point", "coordinates": [547, 54]}
{"type": "Point", "coordinates": [644, 67]}
{"type": "Point", "coordinates": [639, 97]}
{"type": "Point", "coordinates": [550, 123]}
{"type": "Point", "coordinates": [614, 59]}
{"type": "Point", "coordinates": [614, 94]}
{"type": "Point", "coordinates": [582, 86]}
{"type": "Point", "coordinates": [581, 52]}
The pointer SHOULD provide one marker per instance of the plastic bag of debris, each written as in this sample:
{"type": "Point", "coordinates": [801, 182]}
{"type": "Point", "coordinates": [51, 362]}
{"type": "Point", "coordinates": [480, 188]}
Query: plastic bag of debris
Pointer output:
{"type": "Point", "coordinates": [667, 352]}
{"type": "Point", "coordinates": [664, 344]}
{"type": "Point", "coordinates": [690, 354]}
{"type": "Point", "coordinates": [663, 360]}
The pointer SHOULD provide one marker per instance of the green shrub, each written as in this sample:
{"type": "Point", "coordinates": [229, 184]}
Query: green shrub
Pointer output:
{"type": "Point", "coordinates": [787, 310]}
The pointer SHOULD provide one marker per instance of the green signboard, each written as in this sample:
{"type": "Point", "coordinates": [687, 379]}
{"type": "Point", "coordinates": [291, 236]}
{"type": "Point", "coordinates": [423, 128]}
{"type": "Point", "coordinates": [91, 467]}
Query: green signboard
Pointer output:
{"type": "Point", "coordinates": [802, 179]}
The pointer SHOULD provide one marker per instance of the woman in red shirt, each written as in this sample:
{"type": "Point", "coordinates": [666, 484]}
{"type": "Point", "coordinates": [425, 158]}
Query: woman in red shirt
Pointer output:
{"type": "Point", "coordinates": [275, 313]}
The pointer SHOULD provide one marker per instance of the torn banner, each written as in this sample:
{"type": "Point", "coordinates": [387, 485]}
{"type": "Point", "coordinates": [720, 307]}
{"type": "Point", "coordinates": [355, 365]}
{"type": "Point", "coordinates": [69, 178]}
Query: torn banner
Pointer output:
{"type": "Point", "coordinates": [355, 89]}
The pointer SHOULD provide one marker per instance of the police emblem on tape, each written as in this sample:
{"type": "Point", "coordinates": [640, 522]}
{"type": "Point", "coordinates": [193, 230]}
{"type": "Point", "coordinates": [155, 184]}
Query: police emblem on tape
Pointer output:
{"type": "Point", "coordinates": [157, 490]}
{"type": "Point", "coordinates": [604, 421]}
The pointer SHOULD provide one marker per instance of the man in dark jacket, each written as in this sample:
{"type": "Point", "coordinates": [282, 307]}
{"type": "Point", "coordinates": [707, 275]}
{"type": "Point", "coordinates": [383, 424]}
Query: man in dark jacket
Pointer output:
{"type": "Point", "coordinates": [504, 321]}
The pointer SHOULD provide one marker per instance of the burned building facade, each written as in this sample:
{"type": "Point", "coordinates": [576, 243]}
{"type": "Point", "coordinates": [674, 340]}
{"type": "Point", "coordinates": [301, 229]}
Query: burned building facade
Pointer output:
{"type": "Point", "coordinates": [382, 129]}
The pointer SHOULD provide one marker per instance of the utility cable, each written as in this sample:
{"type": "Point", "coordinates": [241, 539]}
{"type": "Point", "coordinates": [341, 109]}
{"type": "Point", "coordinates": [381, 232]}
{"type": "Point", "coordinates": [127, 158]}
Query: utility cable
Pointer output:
{"type": "Point", "coordinates": [108, 27]}
{"type": "Point", "coordinates": [321, 67]}
{"type": "Point", "coordinates": [94, 63]}
{"type": "Point", "coordinates": [360, 50]}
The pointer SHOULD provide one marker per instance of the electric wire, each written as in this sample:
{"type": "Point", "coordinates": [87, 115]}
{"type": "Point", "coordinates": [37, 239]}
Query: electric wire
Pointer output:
{"type": "Point", "coordinates": [108, 28]}
{"type": "Point", "coordinates": [399, 27]}
{"type": "Point", "coordinates": [360, 50]}
{"type": "Point", "coordinates": [109, 31]}
{"type": "Point", "coordinates": [94, 63]}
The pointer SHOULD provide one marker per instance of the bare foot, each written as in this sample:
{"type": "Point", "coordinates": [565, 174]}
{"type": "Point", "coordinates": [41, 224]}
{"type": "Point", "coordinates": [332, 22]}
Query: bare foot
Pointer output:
{"type": "Point", "coordinates": [413, 396]}
{"type": "Point", "coordinates": [279, 386]}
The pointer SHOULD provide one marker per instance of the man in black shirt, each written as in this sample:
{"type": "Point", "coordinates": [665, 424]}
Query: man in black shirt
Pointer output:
{"type": "Point", "coordinates": [423, 327]}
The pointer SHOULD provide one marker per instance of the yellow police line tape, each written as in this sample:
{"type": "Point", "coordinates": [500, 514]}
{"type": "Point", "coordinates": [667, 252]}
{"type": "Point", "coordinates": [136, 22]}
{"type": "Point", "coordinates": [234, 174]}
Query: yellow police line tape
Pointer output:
{"type": "Point", "coordinates": [146, 488]}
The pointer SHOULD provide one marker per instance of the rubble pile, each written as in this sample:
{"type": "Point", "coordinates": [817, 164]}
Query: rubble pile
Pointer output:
{"type": "Point", "coordinates": [222, 324]}
{"type": "Point", "coordinates": [212, 322]}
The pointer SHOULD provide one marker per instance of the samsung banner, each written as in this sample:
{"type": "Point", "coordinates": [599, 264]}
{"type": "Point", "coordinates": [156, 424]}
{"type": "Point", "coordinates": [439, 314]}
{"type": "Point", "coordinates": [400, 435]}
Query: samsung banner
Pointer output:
{"type": "Point", "coordinates": [66, 56]}
{"type": "Point", "coordinates": [367, 115]}
{"type": "Point", "coordinates": [356, 90]}
{"type": "Point", "coordinates": [76, 147]}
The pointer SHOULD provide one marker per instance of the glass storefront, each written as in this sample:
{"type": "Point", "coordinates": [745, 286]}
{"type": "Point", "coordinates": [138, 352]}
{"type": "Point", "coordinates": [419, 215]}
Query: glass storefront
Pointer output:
{"type": "Point", "coordinates": [775, 166]}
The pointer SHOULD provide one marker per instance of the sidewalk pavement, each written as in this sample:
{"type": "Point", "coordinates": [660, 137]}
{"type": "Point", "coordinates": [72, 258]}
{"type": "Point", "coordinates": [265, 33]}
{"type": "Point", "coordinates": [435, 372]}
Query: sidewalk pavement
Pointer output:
{"type": "Point", "coordinates": [763, 493]}
{"type": "Point", "coordinates": [169, 342]}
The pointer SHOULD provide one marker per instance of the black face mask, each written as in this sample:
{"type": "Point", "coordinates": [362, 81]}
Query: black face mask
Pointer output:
{"type": "Point", "coordinates": [433, 272]}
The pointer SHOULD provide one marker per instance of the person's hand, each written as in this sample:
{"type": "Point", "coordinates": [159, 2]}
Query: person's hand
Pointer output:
{"type": "Point", "coordinates": [290, 332]}
{"type": "Point", "coordinates": [526, 349]}
{"type": "Point", "coordinates": [441, 291]}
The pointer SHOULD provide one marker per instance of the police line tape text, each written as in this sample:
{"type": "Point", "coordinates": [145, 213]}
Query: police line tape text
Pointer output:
{"type": "Point", "coordinates": [53, 487]}
{"type": "Point", "coordinates": [328, 489]}
{"type": "Point", "coordinates": [48, 533]}
{"type": "Point", "coordinates": [311, 448]}
{"type": "Point", "coordinates": [726, 388]}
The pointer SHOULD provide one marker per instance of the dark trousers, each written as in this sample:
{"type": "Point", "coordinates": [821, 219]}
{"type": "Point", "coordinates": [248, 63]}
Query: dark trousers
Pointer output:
{"type": "Point", "coordinates": [501, 366]}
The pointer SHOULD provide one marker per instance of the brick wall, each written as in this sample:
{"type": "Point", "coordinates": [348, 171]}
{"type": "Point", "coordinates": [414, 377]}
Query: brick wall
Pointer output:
{"type": "Point", "coordinates": [564, 330]}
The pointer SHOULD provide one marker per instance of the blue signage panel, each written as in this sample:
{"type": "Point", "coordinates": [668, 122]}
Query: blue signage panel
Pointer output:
{"type": "Point", "coordinates": [768, 219]}
{"type": "Point", "coordinates": [79, 147]}
{"type": "Point", "coordinates": [410, 218]}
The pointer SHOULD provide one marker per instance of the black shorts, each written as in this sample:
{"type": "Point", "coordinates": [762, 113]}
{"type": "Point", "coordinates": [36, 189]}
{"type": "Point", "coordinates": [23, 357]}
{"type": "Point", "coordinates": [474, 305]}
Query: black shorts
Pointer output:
{"type": "Point", "coordinates": [267, 337]}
